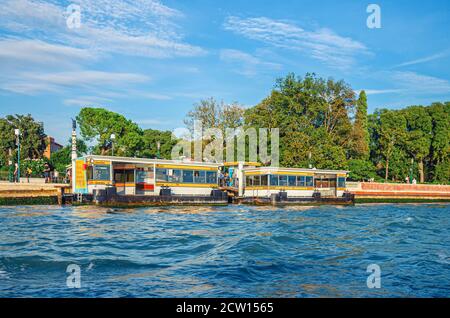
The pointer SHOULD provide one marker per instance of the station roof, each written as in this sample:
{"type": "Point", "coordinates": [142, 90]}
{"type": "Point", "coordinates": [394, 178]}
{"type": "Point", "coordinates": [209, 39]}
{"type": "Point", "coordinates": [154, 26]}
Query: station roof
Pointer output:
{"type": "Point", "coordinates": [147, 161]}
{"type": "Point", "coordinates": [306, 170]}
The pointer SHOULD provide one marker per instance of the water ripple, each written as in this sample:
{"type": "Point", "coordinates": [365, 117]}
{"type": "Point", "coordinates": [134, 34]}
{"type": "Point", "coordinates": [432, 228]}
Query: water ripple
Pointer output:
{"type": "Point", "coordinates": [234, 251]}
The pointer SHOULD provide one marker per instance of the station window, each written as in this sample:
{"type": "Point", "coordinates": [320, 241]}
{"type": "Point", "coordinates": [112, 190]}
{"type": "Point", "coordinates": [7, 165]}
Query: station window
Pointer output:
{"type": "Point", "coordinates": [292, 181]}
{"type": "Point", "coordinates": [249, 181]}
{"type": "Point", "coordinates": [161, 175]}
{"type": "Point", "coordinates": [273, 180]}
{"type": "Point", "coordinates": [174, 175]}
{"type": "Point", "coordinates": [101, 172]}
{"type": "Point", "coordinates": [264, 180]}
{"type": "Point", "coordinates": [283, 180]}
{"type": "Point", "coordinates": [188, 176]}
{"type": "Point", "coordinates": [341, 182]}
{"type": "Point", "coordinates": [211, 177]}
{"type": "Point", "coordinates": [301, 181]}
{"type": "Point", "coordinates": [199, 176]}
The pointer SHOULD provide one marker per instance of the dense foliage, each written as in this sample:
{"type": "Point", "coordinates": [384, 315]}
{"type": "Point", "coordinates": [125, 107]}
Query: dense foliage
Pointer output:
{"type": "Point", "coordinates": [416, 137]}
{"type": "Point", "coordinates": [63, 157]}
{"type": "Point", "coordinates": [32, 138]}
{"type": "Point", "coordinates": [322, 123]}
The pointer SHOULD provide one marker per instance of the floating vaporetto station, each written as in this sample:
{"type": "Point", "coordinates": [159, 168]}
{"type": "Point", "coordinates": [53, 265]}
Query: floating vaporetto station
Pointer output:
{"type": "Point", "coordinates": [110, 180]}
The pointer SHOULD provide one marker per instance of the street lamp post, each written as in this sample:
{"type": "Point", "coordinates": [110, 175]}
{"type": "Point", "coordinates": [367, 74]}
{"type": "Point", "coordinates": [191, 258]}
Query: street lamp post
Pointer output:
{"type": "Point", "coordinates": [411, 171]}
{"type": "Point", "coordinates": [17, 133]}
{"type": "Point", "coordinates": [309, 160]}
{"type": "Point", "coordinates": [158, 146]}
{"type": "Point", "coordinates": [10, 163]}
{"type": "Point", "coordinates": [113, 137]}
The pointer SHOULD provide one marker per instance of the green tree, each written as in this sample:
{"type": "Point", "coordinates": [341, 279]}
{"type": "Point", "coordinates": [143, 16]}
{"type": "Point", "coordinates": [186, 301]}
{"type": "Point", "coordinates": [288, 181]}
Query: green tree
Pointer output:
{"type": "Point", "coordinates": [360, 133]}
{"type": "Point", "coordinates": [32, 137]}
{"type": "Point", "coordinates": [151, 138]}
{"type": "Point", "coordinates": [312, 115]}
{"type": "Point", "coordinates": [63, 157]}
{"type": "Point", "coordinates": [361, 170]}
{"type": "Point", "coordinates": [212, 114]}
{"type": "Point", "coordinates": [98, 124]}
{"type": "Point", "coordinates": [392, 129]}
{"type": "Point", "coordinates": [418, 137]}
{"type": "Point", "coordinates": [439, 164]}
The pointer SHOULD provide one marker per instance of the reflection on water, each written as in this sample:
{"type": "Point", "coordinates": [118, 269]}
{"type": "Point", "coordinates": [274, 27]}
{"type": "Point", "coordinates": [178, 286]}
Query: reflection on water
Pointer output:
{"type": "Point", "coordinates": [234, 251]}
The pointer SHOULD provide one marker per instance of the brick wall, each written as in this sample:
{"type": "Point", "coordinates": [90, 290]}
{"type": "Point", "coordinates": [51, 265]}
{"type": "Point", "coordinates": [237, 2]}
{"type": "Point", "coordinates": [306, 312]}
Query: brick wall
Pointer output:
{"type": "Point", "coordinates": [373, 186]}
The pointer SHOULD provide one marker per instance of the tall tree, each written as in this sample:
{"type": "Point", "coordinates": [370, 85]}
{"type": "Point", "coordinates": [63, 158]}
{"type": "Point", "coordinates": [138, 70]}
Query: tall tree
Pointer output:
{"type": "Point", "coordinates": [213, 114]}
{"type": "Point", "coordinates": [418, 138]}
{"type": "Point", "coordinates": [32, 137]}
{"type": "Point", "coordinates": [151, 139]}
{"type": "Point", "coordinates": [360, 133]}
{"type": "Point", "coordinates": [98, 124]}
{"type": "Point", "coordinates": [391, 134]}
{"type": "Point", "coordinates": [312, 115]}
{"type": "Point", "coordinates": [440, 141]}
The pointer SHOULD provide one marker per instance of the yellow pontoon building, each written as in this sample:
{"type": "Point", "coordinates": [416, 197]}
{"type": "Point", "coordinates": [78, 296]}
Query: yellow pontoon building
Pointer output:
{"type": "Point", "coordinates": [138, 176]}
{"type": "Point", "coordinates": [295, 182]}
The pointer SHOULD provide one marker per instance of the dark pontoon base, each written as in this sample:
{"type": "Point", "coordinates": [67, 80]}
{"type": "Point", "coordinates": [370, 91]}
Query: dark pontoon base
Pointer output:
{"type": "Point", "coordinates": [142, 200]}
{"type": "Point", "coordinates": [295, 201]}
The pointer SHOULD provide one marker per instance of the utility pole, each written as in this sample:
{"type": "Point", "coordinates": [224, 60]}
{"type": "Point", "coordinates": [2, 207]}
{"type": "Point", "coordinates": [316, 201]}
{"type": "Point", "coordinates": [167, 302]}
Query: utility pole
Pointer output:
{"type": "Point", "coordinates": [113, 137]}
{"type": "Point", "coordinates": [309, 160]}
{"type": "Point", "coordinates": [158, 146]}
{"type": "Point", "coordinates": [411, 171]}
{"type": "Point", "coordinates": [74, 152]}
{"type": "Point", "coordinates": [17, 133]}
{"type": "Point", "coordinates": [11, 166]}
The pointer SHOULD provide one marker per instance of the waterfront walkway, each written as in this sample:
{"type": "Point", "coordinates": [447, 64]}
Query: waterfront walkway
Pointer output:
{"type": "Point", "coordinates": [386, 191]}
{"type": "Point", "coordinates": [32, 191]}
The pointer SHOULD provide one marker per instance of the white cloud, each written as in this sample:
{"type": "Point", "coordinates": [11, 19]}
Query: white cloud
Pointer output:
{"type": "Point", "coordinates": [87, 101]}
{"type": "Point", "coordinates": [37, 52]}
{"type": "Point", "coordinates": [153, 122]}
{"type": "Point", "coordinates": [419, 83]}
{"type": "Point", "coordinates": [424, 59]}
{"type": "Point", "coordinates": [246, 64]}
{"type": "Point", "coordinates": [33, 83]}
{"type": "Point", "coordinates": [411, 84]}
{"type": "Point", "coordinates": [322, 44]}
{"type": "Point", "coordinates": [379, 91]}
{"type": "Point", "coordinates": [140, 27]}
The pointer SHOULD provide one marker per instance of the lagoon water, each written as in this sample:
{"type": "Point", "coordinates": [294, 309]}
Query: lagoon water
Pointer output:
{"type": "Point", "coordinates": [233, 251]}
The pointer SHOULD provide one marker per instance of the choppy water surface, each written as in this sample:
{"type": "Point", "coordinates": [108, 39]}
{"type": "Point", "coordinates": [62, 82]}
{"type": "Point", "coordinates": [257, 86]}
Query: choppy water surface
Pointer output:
{"type": "Point", "coordinates": [234, 251]}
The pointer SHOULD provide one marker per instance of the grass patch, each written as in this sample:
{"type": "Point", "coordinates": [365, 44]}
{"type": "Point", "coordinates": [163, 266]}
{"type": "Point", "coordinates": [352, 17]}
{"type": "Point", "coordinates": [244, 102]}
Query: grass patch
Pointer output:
{"type": "Point", "coordinates": [52, 200]}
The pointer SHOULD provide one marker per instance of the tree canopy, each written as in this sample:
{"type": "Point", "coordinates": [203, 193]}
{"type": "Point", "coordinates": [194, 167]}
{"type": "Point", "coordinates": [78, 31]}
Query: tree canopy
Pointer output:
{"type": "Point", "coordinates": [322, 123]}
{"type": "Point", "coordinates": [313, 115]}
{"type": "Point", "coordinates": [32, 137]}
{"type": "Point", "coordinates": [99, 124]}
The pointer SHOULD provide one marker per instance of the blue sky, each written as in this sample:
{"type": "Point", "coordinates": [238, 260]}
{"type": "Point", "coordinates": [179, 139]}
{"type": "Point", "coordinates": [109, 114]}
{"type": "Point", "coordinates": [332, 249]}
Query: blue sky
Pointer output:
{"type": "Point", "coordinates": [152, 60]}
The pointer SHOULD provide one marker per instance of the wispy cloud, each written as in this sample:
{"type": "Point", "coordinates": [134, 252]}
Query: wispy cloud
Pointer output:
{"type": "Point", "coordinates": [153, 122]}
{"type": "Point", "coordinates": [419, 83]}
{"type": "Point", "coordinates": [425, 59]}
{"type": "Point", "coordinates": [411, 84]}
{"type": "Point", "coordinates": [33, 83]}
{"type": "Point", "coordinates": [247, 64]}
{"type": "Point", "coordinates": [38, 52]}
{"type": "Point", "coordinates": [379, 91]}
{"type": "Point", "coordinates": [141, 27]}
{"type": "Point", "coordinates": [322, 44]}
{"type": "Point", "coordinates": [87, 101]}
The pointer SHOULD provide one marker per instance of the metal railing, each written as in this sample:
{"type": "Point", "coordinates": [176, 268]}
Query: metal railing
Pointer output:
{"type": "Point", "coordinates": [5, 176]}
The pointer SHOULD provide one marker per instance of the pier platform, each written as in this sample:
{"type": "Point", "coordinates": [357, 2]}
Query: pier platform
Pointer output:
{"type": "Point", "coordinates": [398, 192]}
